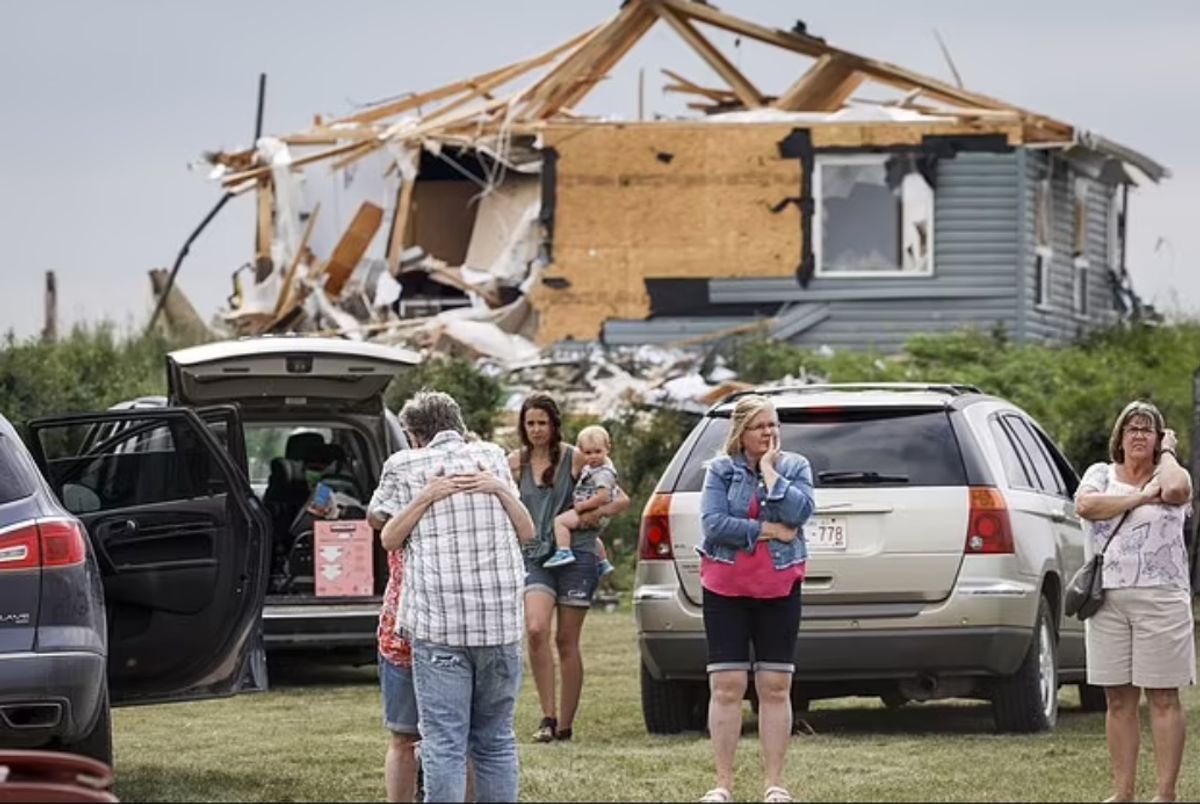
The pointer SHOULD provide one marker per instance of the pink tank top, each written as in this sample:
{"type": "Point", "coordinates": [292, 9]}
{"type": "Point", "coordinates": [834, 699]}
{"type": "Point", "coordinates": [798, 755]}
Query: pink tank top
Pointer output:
{"type": "Point", "coordinates": [751, 574]}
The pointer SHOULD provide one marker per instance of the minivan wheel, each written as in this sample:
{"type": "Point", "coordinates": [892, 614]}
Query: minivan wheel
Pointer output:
{"type": "Point", "coordinates": [1092, 698]}
{"type": "Point", "coordinates": [893, 700]}
{"type": "Point", "coordinates": [671, 707]}
{"type": "Point", "coordinates": [1027, 701]}
{"type": "Point", "coordinates": [97, 743]}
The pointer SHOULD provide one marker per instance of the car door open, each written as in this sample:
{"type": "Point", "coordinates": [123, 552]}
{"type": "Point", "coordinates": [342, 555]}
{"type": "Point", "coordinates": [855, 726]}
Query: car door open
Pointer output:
{"type": "Point", "coordinates": [180, 539]}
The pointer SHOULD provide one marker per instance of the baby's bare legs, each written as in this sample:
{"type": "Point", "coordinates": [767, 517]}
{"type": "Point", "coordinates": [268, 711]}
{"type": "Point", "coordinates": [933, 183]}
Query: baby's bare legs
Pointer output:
{"type": "Point", "coordinates": [564, 523]}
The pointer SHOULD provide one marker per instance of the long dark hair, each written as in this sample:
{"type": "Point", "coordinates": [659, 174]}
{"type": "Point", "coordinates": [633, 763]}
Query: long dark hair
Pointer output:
{"type": "Point", "coordinates": [540, 400]}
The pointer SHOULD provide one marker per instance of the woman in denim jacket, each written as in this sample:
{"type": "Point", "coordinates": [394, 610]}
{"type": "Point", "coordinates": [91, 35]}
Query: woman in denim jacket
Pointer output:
{"type": "Point", "coordinates": [753, 493]}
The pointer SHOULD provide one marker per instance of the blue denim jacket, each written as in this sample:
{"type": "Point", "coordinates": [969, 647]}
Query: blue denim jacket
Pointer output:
{"type": "Point", "coordinates": [729, 485]}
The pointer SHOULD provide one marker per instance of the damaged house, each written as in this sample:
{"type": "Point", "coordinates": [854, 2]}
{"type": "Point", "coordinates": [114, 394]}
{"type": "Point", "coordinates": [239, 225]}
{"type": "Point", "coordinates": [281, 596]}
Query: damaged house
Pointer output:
{"type": "Point", "coordinates": [489, 215]}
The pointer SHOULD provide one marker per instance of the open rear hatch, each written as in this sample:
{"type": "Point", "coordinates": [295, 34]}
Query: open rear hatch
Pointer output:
{"type": "Point", "coordinates": [892, 503]}
{"type": "Point", "coordinates": [286, 371]}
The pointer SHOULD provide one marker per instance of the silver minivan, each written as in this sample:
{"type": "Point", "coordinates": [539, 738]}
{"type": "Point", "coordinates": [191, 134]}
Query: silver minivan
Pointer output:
{"type": "Point", "coordinates": [943, 536]}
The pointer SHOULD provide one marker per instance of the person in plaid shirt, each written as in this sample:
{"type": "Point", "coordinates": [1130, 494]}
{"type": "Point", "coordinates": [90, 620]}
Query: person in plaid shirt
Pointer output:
{"type": "Point", "coordinates": [456, 514]}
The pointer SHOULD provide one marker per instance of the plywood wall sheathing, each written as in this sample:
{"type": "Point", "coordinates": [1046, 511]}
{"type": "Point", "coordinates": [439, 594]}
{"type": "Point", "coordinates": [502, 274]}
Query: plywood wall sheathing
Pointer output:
{"type": "Point", "coordinates": [662, 200]}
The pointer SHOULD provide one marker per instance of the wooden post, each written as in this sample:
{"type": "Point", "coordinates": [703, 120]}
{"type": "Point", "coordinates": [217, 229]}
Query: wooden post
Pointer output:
{"type": "Point", "coordinates": [50, 330]}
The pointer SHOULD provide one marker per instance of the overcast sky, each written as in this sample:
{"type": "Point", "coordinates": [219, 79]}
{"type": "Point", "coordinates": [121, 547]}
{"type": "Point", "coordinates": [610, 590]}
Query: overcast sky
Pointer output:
{"type": "Point", "coordinates": [106, 104]}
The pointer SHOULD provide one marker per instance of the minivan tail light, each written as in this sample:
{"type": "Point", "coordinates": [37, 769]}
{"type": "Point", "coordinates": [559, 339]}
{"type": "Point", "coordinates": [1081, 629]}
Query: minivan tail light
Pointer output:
{"type": "Point", "coordinates": [989, 529]}
{"type": "Point", "coordinates": [63, 543]}
{"type": "Point", "coordinates": [654, 539]}
{"type": "Point", "coordinates": [19, 548]}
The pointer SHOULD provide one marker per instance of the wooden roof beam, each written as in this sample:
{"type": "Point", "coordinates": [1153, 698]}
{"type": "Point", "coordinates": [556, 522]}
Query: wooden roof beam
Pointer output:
{"type": "Point", "coordinates": [824, 88]}
{"type": "Point", "coordinates": [685, 86]}
{"type": "Point", "coordinates": [643, 20]}
{"type": "Point", "coordinates": [747, 93]}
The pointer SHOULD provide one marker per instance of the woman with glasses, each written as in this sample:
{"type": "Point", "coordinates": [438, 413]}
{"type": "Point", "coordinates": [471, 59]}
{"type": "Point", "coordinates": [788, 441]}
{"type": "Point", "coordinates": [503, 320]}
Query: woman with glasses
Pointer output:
{"type": "Point", "coordinates": [1143, 637]}
{"type": "Point", "coordinates": [756, 498]}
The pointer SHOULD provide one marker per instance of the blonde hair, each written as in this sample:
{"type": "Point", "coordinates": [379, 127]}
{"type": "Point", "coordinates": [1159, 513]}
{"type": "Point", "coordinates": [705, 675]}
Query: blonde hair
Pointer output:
{"type": "Point", "coordinates": [744, 411]}
{"type": "Point", "coordinates": [593, 432]}
{"type": "Point", "coordinates": [1138, 407]}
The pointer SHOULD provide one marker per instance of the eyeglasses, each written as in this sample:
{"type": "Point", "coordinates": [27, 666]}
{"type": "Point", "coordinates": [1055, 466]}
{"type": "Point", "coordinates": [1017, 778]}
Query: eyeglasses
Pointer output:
{"type": "Point", "coordinates": [756, 428]}
{"type": "Point", "coordinates": [1139, 431]}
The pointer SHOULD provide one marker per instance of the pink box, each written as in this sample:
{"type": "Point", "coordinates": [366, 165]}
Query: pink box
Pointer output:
{"type": "Point", "coordinates": [342, 564]}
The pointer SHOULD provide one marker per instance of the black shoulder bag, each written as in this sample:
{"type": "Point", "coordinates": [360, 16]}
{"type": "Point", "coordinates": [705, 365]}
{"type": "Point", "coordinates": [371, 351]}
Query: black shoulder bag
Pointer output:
{"type": "Point", "coordinates": [1085, 592]}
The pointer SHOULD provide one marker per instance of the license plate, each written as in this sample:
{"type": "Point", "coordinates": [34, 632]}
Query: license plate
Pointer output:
{"type": "Point", "coordinates": [825, 533]}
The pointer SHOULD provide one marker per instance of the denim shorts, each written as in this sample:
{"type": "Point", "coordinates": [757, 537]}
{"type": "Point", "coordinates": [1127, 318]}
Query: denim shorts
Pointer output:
{"type": "Point", "coordinates": [736, 626]}
{"type": "Point", "coordinates": [572, 584]}
{"type": "Point", "coordinates": [399, 698]}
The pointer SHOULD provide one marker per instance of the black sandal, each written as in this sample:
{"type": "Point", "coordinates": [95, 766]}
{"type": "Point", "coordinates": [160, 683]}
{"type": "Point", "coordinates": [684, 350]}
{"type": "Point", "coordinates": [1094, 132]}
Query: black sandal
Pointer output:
{"type": "Point", "coordinates": [547, 731]}
{"type": "Point", "coordinates": [563, 735]}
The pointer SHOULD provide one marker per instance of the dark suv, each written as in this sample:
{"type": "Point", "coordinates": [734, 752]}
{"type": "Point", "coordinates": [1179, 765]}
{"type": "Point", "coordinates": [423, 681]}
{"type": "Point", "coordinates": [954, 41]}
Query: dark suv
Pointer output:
{"type": "Point", "coordinates": [132, 570]}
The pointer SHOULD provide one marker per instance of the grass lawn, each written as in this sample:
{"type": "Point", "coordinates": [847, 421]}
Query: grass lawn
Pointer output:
{"type": "Point", "coordinates": [318, 736]}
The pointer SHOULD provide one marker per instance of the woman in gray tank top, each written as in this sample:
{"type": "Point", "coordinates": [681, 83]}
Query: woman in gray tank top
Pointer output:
{"type": "Point", "coordinates": [545, 469]}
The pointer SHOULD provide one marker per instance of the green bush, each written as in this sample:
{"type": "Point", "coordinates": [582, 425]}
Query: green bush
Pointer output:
{"type": "Point", "coordinates": [1074, 391]}
{"type": "Point", "coordinates": [90, 369]}
{"type": "Point", "coordinates": [478, 395]}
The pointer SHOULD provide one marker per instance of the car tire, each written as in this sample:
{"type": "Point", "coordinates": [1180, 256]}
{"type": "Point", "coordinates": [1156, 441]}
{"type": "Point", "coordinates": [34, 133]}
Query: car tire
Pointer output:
{"type": "Point", "coordinates": [1027, 701]}
{"type": "Point", "coordinates": [1092, 698]}
{"type": "Point", "coordinates": [893, 700]}
{"type": "Point", "coordinates": [97, 742]}
{"type": "Point", "coordinates": [669, 707]}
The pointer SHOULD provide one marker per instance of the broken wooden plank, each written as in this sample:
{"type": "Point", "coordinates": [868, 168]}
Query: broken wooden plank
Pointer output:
{"type": "Point", "coordinates": [285, 291]}
{"type": "Point", "coordinates": [683, 85]}
{"type": "Point", "coordinates": [449, 90]}
{"type": "Point", "coordinates": [747, 93]}
{"type": "Point", "coordinates": [266, 225]}
{"type": "Point", "coordinates": [400, 223]}
{"type": "Point", "coordinates": [263, 170]}
{"type": "Point", "coordinates": [351, 247]}
{"type": "Point", "coordinates": [827, 85]}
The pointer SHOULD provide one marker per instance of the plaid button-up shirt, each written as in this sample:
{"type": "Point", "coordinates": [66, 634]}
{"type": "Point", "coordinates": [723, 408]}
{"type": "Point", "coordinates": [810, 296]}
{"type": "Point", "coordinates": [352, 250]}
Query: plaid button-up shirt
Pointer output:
{"type": "Point", "coordinates": [463, 573]}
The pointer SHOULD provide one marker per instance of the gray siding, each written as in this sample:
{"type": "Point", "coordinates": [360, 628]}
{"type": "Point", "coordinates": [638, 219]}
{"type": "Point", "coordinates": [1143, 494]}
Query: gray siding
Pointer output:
{"type": "Point", "coordinates": [984, 271]}
{"type": "Point", "coordinates": [1056, 320]}
{"type": "Point", "coordinates": [974, 283]}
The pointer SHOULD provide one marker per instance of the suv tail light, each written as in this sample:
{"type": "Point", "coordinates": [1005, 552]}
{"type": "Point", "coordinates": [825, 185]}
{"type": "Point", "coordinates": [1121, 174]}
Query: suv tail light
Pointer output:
{"type": "Point", "coordinates": [45, 543]}
{"type": "Point", "coordinates": [989, 529]}
{"type": "Point", "coordinates": [63, 543]}
{"type": "Point", "coordinates": [654, 539]}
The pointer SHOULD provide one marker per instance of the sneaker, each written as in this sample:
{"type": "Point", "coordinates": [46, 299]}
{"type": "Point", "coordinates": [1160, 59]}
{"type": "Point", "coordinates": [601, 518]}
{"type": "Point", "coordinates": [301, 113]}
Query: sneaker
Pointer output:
{"type": "Point", "coordinates": [606, 568]}
{"type": "Point", "coordinates": [547, 730]}
{"type": "Point", "coordinates": [561, 557]}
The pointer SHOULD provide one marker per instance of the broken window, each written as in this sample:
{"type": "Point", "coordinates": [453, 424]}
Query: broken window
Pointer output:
{"type": "Point", "coordinates": [874, 215]}
{"type": "Point", "coordinates": [1114, 229]}
{"type": "Point", "coordinates": [1043, 239]}
{"type": "Point", "coordinates": [1080, 250]}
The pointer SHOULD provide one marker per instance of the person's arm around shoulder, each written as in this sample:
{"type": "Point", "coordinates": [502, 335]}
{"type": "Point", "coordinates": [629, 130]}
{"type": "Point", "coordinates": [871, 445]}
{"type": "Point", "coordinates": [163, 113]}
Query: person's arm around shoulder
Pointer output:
{"type": "Point", "coordinates": [397, 530]}
{"type": "Point", "coordinates": [1173, 479]}
{"type": "Point", "coordinates": [382, 506]}
{"type": "Point", "coordinates": [493, 479]}
{"type": "Point", "coordinates": [1095, 504]}
{"type": "Point", "coordinates": [790, 498]}
{"type": "Point", "coordinates": [717, 523]}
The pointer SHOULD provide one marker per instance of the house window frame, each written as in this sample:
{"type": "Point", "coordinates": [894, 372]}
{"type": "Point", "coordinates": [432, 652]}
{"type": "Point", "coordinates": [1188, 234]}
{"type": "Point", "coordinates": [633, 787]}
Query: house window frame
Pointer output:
{"type": "Point", "coordinates": [818, 223]}
{"type": "Point", "coordinates": [1043, 251]}
{"type": "Point", "coordinates": [1081, 280]}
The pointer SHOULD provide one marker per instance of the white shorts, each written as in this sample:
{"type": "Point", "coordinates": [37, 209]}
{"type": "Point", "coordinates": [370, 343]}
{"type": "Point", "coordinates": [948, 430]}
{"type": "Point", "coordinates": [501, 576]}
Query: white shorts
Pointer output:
{"type": "Point", "coordinates": [1142, 636]}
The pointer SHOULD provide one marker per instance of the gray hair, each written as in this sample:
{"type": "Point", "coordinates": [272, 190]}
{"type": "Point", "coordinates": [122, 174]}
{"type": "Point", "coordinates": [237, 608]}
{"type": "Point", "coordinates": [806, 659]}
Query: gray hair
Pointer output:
{"type": "Point", "coordinates": [428, 413]}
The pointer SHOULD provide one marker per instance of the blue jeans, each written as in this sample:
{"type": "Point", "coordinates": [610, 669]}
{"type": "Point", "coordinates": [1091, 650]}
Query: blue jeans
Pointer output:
{"type": "Point", "coordinates": [466, 699]}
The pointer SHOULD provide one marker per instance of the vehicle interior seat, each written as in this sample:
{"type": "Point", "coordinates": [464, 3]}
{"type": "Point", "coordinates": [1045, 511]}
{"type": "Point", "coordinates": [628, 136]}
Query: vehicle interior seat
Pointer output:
{"type": "Point", "coordinates": [336, 471]}
{"type": "Point", "coordinates": [287, 487]}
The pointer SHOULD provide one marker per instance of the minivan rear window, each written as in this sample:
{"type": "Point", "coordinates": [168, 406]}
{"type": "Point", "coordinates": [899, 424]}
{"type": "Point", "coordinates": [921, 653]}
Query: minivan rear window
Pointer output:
{"type": "Point", "coordinates": [853, 448]}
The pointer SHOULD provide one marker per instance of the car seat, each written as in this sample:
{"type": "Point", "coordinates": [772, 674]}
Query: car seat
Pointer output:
{"type": "Point", "coordinates": [287, 487]}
